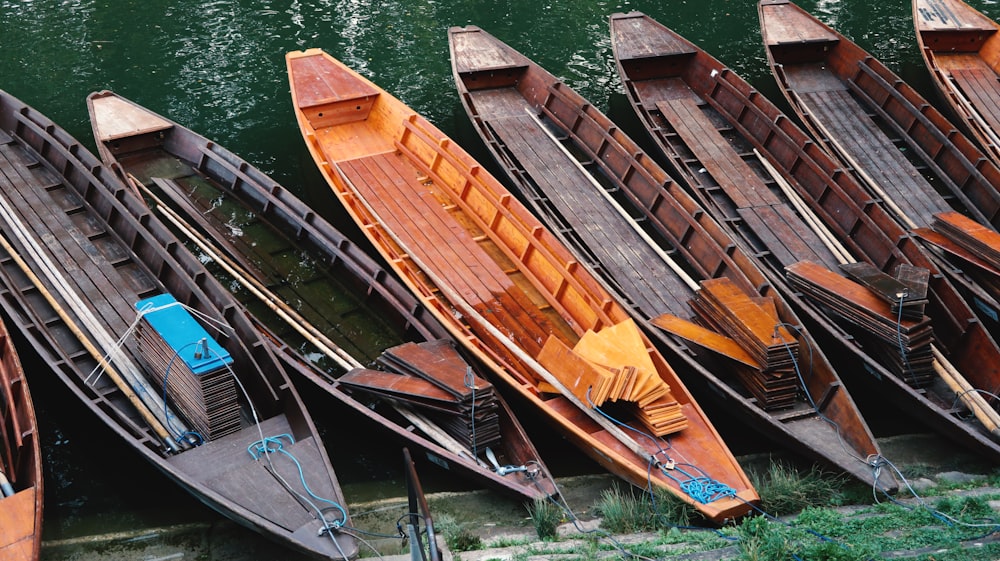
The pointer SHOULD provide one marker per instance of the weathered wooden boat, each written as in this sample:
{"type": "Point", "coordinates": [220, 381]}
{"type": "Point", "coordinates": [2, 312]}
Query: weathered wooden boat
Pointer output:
{"type": "Point", "coordinates": [567, 159]}
{"type": "Point", "coordinates": [505, 287]}
{"type": "Point", "coordinates": [787, 201]}
{"type": "Point", "coordinates": [867, 117]}
{"type": "Point", "coordinates": [960, 47]}
{"type": "Point", "coordinates": [21, 481]}
{"type": "Point", "coordinates": [312, 282]}
{"type": "Point", "coordinates": [911, 158]}
{"type": "Point", "coordinates": [159, 351]}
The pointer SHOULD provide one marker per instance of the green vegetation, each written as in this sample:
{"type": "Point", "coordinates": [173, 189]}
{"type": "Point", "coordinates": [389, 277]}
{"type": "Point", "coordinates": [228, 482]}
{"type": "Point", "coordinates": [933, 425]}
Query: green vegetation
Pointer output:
{"type": "Point", "coordinates": [545, 516]}
{"type": "Point", "coordinates": [806, 519]}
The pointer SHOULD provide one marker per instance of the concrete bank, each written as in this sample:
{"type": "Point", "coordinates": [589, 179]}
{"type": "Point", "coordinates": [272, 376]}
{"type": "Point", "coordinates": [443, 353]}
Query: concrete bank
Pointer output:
{"type": "Point", "coordinates": [496, 520]}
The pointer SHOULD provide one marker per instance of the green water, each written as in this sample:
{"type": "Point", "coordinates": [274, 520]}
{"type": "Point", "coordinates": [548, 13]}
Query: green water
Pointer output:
{"type": "Point", "coordinates": [218, 67]}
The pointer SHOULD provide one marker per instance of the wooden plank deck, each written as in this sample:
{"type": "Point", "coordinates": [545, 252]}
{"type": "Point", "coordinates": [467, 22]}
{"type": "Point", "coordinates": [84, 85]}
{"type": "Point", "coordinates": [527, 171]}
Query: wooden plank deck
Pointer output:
{"type": "Point", "coordinates": [642, 275]}
{"type": "Point", "coordinates": [768, 216]}
{"type": "Point", "coordinates": [446, 247]}
{"type": "Point", "coordinates": [980, 84]}
{"type": "Point", "coordinates": [854, 130]}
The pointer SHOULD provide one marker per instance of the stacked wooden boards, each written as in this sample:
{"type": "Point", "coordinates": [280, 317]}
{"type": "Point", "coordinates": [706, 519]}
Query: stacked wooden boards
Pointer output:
{"type": "Point", "coordinates": [432, 376]}
{"type": "Point", "coordinates": [786, 200]}
{"type": "Point", "coordinates": [960, 45]}
{"type": "Point", "coordinates": [491, 272]}
{"type": "Point", "coordinates": [79, 250]}
{"type": "Point", "coordinates": [702, 298]}
{"type": "Point", "coordinates": [329, 306]}
{"type": "Point", "coordinates": [21, 481]}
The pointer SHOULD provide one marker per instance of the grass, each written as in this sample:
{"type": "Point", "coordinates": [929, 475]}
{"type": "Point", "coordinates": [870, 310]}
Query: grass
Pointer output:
{"type": "Point", "coordinates": [803, 521]}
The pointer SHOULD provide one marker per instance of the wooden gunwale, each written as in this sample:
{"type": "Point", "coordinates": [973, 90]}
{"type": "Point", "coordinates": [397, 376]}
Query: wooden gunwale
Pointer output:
{"type": "Point", "coordinates": [959, 46]}
{"type": "Point", "coordinates": [749, 121]}
{"type": "Point", "coordinates": [21, 460]}
{"type": "Point", "coordinates": [114, 231]}
{"type": "Point", "coordinates": [468, 197]}
{"type": "Point", "coordinates": [346, 270]}
{"type": "Point", "coordinates": [566, 195]}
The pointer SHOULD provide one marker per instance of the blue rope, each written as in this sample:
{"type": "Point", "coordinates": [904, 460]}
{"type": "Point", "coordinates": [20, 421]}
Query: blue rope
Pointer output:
{"type": "Point", "coordinates": [272, 444]}
{"type": "Point", "coordinates": [701, 488]}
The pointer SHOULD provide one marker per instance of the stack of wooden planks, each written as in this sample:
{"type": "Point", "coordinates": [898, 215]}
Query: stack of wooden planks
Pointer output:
{"type": "Point", "coordinates": [906, 293]}
{"type": "Point", "coordinates": [610, 365]}
{"type": "Point", "coordinates": [433, 377]}
{"type": "Point", "coordinates": [752, 322]}
{"type": "Point", "coordinates": [902, 343]}
{"type": "Point", "coordinates": [193, 368]}
{"type": "Point", "coordinates": [983, 242]}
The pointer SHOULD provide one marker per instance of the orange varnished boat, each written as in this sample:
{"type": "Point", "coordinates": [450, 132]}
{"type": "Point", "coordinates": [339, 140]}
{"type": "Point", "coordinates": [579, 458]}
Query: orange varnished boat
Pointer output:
{"type": "Point", "coordinates": [509, 290]}
{"type": "Point", "coordinates": [961, 48]}
{"type": "Point", "coordinates": [20, 462]}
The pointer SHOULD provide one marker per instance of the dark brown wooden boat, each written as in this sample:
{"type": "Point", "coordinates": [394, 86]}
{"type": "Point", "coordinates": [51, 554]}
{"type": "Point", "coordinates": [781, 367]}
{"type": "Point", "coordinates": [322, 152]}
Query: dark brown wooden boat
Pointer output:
{"type": "Point", "coordinates": [961, 48]}
{"type": "Point", "coordinates": [911, 158]}
{"type": "Point", "coordinates": [505, 287]}
{"type": "Point", "coordinates": [158, 350]}
{"type": "Point", "coordinates": [567, 159]}
{"type": "Point", "coordinates": [787, 201]}
{"type": "Point", "coordinates": [21, 482]}
{"type": "Point", "coordinates": [326, 300]}
{"type": "Point", "coordinates": [871, 120]}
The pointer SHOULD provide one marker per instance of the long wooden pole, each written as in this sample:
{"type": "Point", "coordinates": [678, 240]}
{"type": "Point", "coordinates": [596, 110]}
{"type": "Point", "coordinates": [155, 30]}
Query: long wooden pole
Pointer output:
{"type": "Point", "coordinates": [681, 273]}
{"type": "Point", "coordinates": [868, 179]}
{"type": "Point", "coordinates": [300, 324]}
{"type": "Point", "coordinates": [814, 223]}
{"type": "Point", "coordinates": [119, 381]}
{"type": "Point", "coordinates": [290, 316]}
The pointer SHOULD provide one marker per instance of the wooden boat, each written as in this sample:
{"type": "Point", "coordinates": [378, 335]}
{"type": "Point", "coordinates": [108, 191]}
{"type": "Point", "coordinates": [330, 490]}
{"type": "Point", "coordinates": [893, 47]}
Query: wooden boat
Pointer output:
{"type": "Point", "coordinates": [506, 288]}
{"type": "Point", "coordinates": [906, 153]}
{"type": "Point", "coordinates": [21, 482]}
{"type": "Point", "coordinates": [960, 47]}
{"type": "Point", "coordinates": [787, 201]}
{"type": "Point", "coordinates": [869, 118]}
{"type": "Point", "coordinates": [318, 282]}
{"type": "Point", "coordinates": [136, 328]}
{"type": "Point", "coordinates": [567, 159]}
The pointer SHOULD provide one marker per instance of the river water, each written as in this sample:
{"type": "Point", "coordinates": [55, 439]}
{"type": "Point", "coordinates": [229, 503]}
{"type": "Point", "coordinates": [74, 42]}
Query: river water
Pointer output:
{"type": "Point", "coordinates": [219, 68]}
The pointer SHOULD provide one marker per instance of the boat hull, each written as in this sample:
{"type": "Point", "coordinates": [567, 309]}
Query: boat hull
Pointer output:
{"type": "Point", "coordinates": [522, 115]}
{"type": "Point", "coordinates": [491, 272]}
{"type": "Point", "coordinates": [210, 187]}
{"type": "Point", "coordinates": [80, 249]}
{"type": "Point", "coordinates": [663, 68]}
